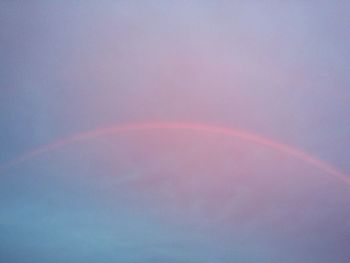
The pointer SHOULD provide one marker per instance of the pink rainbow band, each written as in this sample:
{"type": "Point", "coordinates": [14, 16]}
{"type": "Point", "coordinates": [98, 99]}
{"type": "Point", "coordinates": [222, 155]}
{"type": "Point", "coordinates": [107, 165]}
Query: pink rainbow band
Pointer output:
{"type": "Point", "coordinates": [231, 132]}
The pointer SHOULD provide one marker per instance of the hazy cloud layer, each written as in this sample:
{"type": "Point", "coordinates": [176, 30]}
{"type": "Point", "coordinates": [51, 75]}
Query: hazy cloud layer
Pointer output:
{"type": "Point", "coordinates": [276, 69]}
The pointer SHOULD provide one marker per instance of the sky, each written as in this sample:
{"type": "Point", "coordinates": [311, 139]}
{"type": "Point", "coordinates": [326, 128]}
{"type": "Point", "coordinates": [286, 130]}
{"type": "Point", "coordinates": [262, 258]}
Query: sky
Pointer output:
{"type": "Point", "coordinates": [77, 187]}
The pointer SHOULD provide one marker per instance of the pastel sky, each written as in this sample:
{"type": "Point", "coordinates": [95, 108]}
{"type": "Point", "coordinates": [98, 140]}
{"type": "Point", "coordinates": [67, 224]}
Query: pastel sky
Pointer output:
{"type": "Point", "coordinates": [276, 70]}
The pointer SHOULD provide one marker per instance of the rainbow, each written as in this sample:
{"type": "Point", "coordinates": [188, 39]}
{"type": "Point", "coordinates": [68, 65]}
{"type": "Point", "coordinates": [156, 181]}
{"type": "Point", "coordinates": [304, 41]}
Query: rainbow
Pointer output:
{"type": "Point", "coordinates": [195, 127]}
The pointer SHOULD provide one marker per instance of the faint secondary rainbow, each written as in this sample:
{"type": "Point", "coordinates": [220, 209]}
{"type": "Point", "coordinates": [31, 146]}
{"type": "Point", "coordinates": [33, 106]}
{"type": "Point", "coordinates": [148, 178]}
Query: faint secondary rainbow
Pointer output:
{"type": "Point", "coordinates": [206, 128]}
